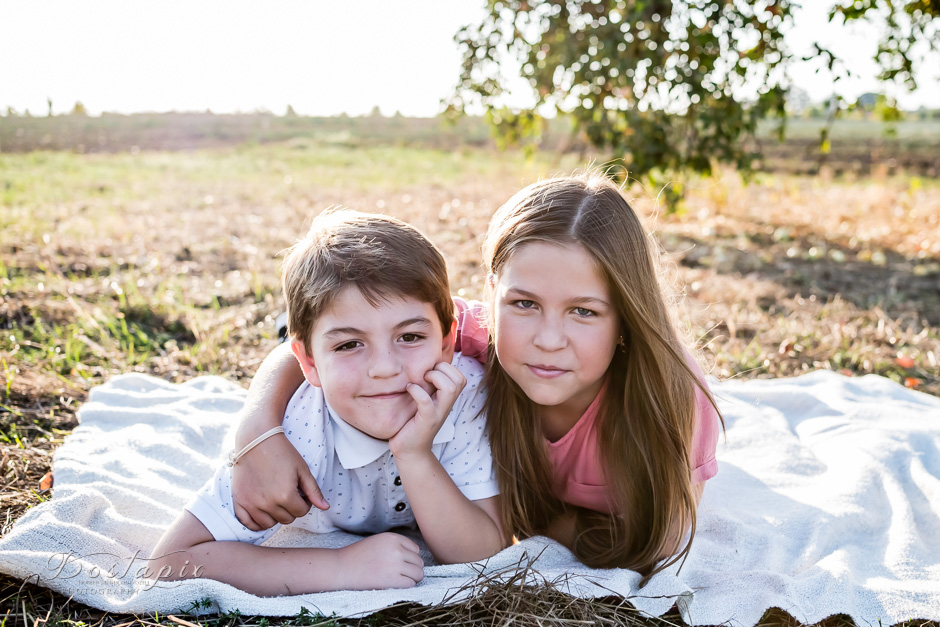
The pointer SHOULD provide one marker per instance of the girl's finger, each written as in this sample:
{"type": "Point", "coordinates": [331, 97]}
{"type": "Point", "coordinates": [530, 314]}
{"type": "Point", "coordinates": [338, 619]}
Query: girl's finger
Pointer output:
{"type": "Point", "coordinates": [312, 492]}
{"type": "Point", "coordinates": [246, 519]}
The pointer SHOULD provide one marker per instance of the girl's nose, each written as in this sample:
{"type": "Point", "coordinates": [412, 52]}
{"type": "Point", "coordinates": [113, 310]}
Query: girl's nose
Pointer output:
{"type": "Point", "coordinates": [550, 336]}
{"type": "Point", "coordinates": [384, 364]}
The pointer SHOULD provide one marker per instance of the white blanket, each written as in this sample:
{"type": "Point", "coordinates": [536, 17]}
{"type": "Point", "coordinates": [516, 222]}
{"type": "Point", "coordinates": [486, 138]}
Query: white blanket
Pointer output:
{"type": "Point", "coordinates": [827, 501]}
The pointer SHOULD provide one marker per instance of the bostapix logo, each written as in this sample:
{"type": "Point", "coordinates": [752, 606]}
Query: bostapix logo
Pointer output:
{"type": "Point", "coordinates": [109, 573]}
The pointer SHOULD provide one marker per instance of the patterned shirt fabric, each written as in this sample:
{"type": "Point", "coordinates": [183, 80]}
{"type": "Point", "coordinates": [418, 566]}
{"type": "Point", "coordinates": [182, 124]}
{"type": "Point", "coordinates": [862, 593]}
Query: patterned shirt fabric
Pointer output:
{"type": "Point", "coordinates": [577, 471]}
{"type": "Point", "coordinates": [357, 472]}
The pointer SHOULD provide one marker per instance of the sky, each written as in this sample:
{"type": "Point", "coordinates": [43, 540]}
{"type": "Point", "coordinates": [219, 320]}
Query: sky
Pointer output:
{"type": "Point", "coordinates": [322, 58]}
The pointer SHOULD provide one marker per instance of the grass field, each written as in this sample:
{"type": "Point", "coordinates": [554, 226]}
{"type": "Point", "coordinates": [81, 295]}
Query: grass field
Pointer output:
{"type": "Point", "coordinates": [167, 263]}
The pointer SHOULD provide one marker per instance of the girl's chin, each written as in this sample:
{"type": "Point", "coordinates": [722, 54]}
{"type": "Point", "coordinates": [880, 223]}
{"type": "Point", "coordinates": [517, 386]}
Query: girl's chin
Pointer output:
{"type": "Point", "coordinates": [546, 398]}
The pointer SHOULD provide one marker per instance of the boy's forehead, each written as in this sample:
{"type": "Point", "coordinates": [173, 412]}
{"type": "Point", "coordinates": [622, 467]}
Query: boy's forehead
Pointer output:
{"type": "Point", "coordinates": [354, 308]}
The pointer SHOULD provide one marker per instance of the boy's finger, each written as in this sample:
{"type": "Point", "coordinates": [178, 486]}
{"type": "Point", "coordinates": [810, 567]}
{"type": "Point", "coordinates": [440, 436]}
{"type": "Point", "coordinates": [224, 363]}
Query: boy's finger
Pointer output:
{"type": "Point", "coordinates": [445, 381]}
{"type": "Point", "coordinates": [312, 492]}
{"type": "Point", "coordinates": [447, 390]}
{"type": "Point", "coordinates": [445, 374]}
{"type": "Point", "coordinates": [424, 402]}
{"type": "Point", "coordinates": [452, 373]}
{"type": "Point", "coordinates": [413, 571]}
{"type": "Point", "coordinates": [409, 544]}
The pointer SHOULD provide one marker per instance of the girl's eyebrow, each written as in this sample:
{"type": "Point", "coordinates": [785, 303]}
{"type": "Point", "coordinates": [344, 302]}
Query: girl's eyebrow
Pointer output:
{"type": "Point", "coordinates": [576, 299]}
{"type": "Point", "coordinates": [589, 300]}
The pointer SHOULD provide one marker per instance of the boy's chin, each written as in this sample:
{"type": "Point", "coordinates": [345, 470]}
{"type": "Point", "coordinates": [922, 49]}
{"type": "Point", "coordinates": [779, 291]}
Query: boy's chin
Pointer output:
{"type": "Point", "coordinates": [388, 430]}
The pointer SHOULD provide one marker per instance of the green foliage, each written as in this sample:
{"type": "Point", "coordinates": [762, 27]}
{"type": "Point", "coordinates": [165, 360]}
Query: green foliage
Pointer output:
{"type": "Point", "coordinates": [657, 83]}
{"type": "Point", "coordinates": [905, 27]}
{"type": "Point", "coordinates": [666, 85]}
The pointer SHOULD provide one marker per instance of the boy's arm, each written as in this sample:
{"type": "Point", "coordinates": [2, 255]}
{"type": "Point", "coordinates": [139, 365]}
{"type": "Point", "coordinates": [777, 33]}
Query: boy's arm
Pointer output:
{"type": "Point", "coordinates": [187, 550]}
{"type": "Point", "coordinates": [455, 528]}
{"type": "Point", "coordinates": [269, 483]}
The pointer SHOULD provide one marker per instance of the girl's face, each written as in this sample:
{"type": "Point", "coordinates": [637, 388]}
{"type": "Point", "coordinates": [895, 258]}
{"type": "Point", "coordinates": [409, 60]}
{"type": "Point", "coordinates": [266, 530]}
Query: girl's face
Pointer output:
{"type": "Point", "coordinates": [556, 329]}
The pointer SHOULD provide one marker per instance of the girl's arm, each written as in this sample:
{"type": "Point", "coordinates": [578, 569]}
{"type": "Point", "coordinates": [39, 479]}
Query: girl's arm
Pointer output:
{"type": "Point", "coordinates": [272, 484]}
{"type": "Point", "coordinates": [563, 528]}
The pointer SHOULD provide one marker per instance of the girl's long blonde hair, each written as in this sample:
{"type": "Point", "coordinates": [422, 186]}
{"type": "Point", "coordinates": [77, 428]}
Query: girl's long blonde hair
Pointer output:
{"type": "Point", "coordinates": [647, 416]}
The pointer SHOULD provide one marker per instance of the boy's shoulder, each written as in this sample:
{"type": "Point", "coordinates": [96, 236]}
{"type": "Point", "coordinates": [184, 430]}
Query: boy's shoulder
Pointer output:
{"type": "Point", "coordinates": [473, 370]}
{"type": "Point", "coordinates": [470, 402]}
{"type": "Point", "coordinates": [468, 366]}
{"type": "Point", "coordinates": [306, 410]}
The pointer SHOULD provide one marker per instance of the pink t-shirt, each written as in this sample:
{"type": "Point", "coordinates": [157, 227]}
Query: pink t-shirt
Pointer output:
{"type": "Point", "coordinates": [575, 458]}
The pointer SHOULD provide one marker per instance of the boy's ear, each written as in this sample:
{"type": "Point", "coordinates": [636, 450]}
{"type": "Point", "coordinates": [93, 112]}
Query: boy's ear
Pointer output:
{"type": "Point", "coordinates": [306, 363]}
{"type": "Point", "coordinates": [450, 339]}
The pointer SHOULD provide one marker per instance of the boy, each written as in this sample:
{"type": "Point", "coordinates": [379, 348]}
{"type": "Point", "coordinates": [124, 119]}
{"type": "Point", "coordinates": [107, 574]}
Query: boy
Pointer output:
{"type": "Point", "coordinates": [372, 325]}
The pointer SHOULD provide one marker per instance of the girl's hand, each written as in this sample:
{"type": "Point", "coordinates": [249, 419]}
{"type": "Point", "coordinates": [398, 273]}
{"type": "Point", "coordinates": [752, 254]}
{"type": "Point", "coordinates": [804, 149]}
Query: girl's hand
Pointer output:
{"type": "Point", "coordinates": [416, 435]}
{"type": "Point", "coordinates": [272, 484]}
{"type": "Point", "coordinates": [386, 560]}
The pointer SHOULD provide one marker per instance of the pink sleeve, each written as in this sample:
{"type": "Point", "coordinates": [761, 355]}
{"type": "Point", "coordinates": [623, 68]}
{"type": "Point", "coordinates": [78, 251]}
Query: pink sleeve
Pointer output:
{"type": "Point", "coordinates": [473, 338]}
{"type": "Point", "coordinates": [705, 435]}
{"type": "Point", "coordinates": [704, 439]}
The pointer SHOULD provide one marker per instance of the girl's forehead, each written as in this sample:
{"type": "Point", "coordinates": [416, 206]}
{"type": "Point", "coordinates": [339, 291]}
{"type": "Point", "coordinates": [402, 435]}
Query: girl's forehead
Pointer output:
{"type": "Point", "coordinates": [546, 268]}
{"type": "Point", "coordinates": [556, 254]}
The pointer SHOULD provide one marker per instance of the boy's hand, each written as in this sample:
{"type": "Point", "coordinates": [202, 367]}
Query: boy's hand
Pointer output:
{"type": "Point", "coordinates": [418, 433]}
{"type": "Point", "coordinates": [272, 484]}
{"type": "Point", "coordinates": [386, 560]}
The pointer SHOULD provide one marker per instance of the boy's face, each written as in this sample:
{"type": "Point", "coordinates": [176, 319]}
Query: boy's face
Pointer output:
{"type": "Point", "coordinates": [364, 356]}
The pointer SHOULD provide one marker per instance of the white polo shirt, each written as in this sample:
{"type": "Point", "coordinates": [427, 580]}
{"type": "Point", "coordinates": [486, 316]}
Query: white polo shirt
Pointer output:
{"type": "Point", "coordinates": [357, 472]}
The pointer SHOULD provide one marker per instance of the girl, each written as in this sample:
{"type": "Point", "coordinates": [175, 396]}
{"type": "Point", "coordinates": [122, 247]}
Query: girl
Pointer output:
{"type": "Point", "coordinates": [602, 429]}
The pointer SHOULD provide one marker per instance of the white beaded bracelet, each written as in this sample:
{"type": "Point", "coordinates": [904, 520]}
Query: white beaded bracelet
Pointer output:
{"type": "Point", "coordinates": [233, 457]}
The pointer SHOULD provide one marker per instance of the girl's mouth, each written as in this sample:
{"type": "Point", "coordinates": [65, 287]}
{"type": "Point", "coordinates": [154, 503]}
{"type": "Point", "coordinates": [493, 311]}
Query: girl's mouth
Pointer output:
{"type": "Point", "coordinates": [546, 372]}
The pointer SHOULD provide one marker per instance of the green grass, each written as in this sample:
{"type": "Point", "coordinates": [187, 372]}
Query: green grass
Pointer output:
{"type": "Point", "coordinates": [167, 263]}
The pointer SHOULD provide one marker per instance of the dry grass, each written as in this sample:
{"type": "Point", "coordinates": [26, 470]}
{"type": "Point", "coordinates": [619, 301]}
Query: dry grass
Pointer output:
{"type": "Point", "coordinates": [166, 263]}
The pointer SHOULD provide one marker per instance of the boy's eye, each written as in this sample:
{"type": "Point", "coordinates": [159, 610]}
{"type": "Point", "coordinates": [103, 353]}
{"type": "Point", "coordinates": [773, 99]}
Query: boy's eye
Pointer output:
{"type": "Point", "coordinates": [581, 311]}
{"type": "Point", "coordinates": [348, 346]}
{"type": "Point", "coordinates": [411, 338]}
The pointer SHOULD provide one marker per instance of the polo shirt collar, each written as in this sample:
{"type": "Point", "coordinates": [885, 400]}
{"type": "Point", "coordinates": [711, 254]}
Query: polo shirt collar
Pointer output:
{"type": "Point", "coordinates": [355, 449]}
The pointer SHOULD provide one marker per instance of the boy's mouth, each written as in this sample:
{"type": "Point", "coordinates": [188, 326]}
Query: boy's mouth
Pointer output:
{"type": "Point", "coordinates": [385, 395]}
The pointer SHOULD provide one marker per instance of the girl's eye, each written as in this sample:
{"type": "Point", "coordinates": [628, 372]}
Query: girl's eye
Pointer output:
{"type": "Point", "coordinates": [348, 346]}
{"type": "Point", "coordinates": [581, 311]}
{"type": "Point", "coordinates": [411, 338]}
{"type": "Point", "coordinates": [524, 304]}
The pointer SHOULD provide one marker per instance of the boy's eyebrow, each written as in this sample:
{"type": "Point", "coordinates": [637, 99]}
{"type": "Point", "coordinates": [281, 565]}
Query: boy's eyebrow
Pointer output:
{"type": "Point", "coordinates": [576, 299]}
{"type": "Point", "coordinates": [411, 321]}
{"type": "Point", "coordinates": [342, 331]}
{"type": "Point", "coordinates": [354, 331]}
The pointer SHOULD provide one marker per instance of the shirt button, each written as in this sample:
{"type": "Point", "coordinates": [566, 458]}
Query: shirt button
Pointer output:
{"type": "Point", "coordinates": [397, 480]}
{"type": "Point", "coordinates": [400, 507]}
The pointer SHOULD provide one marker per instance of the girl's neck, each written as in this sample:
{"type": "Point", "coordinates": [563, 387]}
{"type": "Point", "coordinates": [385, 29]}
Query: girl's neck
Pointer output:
{"type": "Point", "coordinates": [557, 420]}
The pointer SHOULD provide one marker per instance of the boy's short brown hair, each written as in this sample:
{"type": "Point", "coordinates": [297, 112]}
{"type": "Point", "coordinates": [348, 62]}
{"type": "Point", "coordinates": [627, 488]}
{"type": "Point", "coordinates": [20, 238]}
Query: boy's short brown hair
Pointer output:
{"type": "Point", "coordinates": [382, 256]}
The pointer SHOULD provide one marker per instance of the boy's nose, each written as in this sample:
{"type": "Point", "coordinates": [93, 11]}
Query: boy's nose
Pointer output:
{"type": "Point", "coordinates": [384, 364]}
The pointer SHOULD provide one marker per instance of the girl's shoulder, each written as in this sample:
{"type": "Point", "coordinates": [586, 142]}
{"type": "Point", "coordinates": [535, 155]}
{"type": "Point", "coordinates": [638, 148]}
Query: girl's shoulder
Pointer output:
{"type": "Point", "coordinates": [473, 334]}
{"type": "Point", "coordinates": [707, 427]}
